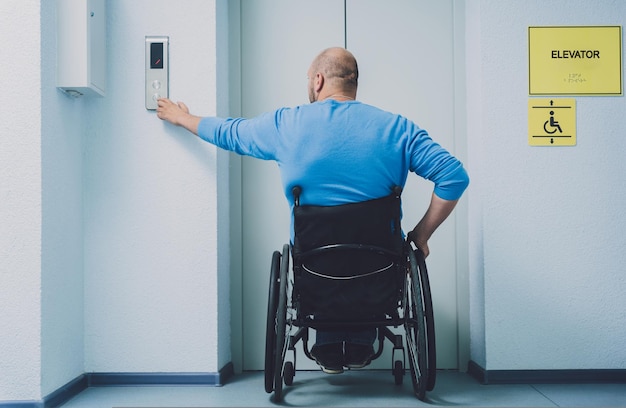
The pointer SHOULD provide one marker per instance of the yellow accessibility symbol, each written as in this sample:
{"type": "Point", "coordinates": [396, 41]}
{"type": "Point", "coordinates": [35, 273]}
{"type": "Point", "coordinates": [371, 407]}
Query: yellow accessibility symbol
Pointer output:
{"type": "Point", "coordinates": [552, 122]}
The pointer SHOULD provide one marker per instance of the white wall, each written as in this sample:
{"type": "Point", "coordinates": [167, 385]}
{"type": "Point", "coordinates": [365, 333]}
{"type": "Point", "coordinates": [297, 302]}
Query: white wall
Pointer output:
{"type": "Point", "coordinates": [42, 258]}
{"type": "Point", "coordinates": [62, 126]}
{"type": "Point", "coordinates": [151, 203]}
{"type": "Point", "coordinates": [109, 248]}
{"type": "Point", "coordinates": [546, 223]}
{"type": "Point", "coordinates": [20, 201]}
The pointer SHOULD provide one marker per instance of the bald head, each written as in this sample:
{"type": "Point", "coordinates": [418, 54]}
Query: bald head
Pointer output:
{"type": "Point", "coordinates": [335, 70]}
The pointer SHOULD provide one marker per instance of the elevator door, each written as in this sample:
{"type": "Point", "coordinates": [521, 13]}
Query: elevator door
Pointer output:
{"type": "Point", "coordinates": [405, 53]}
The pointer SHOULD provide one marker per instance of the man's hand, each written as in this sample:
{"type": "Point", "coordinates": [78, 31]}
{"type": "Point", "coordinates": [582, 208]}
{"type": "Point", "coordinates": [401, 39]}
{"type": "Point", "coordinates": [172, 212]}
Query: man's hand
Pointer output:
{"type": "Point", "coordinates": [177, 114]}
{"type": "Point", "coordinates": [170, 111]}
{"type": "Point", "coordinates": [420, 242]}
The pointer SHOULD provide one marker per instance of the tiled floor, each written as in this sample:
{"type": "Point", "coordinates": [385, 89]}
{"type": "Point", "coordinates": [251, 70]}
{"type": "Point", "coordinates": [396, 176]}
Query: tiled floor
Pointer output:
{"type": "Point", "coordinates": [355, 388]}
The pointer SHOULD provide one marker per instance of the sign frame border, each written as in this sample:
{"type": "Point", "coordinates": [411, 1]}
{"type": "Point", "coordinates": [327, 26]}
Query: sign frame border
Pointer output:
{"type": "Point", "coordinates": [621, 65]}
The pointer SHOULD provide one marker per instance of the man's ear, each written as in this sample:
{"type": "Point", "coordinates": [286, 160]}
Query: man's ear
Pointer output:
{"type": "Point", "coordinates": [319, 82]}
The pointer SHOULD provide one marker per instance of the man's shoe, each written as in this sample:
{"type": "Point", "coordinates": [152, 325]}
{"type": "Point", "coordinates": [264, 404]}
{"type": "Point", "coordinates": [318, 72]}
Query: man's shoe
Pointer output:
{"type": "Point", "coordinates": [329, 357]}
{"type": "Point", "coordinates": [358, 355]}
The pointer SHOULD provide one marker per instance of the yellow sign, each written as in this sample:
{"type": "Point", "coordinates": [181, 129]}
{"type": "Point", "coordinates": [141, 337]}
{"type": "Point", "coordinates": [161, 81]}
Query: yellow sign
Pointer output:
{"type": "Point", "coordinates": [552, 122]}
{"type": "Point", "coordinates": [575, 60]}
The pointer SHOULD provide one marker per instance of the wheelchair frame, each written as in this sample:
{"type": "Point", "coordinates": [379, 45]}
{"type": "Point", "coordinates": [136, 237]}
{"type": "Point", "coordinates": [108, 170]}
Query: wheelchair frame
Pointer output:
{"type": "Point", "coordinates": [286, 328]}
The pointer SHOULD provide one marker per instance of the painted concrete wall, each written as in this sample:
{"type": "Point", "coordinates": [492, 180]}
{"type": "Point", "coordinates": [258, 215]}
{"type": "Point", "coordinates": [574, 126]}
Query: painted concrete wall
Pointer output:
{"type": "Point", "coordinates": [63, 122]}
{"type": "Point", "coordinates": [151, 198]}
{"type": "Point", "coordinates": [546, 224]}
{"type": "Point", "coordinates": [110, 230]}
{"type": "Point", "coordinates": [20, 201]}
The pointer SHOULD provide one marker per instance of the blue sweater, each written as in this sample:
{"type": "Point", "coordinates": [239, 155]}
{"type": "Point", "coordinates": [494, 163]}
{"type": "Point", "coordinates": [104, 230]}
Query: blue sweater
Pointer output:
{"type": "Point", "coordinates": [340, 152]}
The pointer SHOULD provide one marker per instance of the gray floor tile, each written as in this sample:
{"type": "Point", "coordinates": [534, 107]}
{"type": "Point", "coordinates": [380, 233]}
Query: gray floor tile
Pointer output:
{"type": "Point", "coordinates": [364, 388]}
{"type": "Point", "coordinates": [585, 395]}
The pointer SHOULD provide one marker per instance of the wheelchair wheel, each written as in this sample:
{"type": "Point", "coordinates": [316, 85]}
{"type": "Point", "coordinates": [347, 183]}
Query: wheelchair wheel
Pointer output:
{"type": "Point", "coordinates": [281, 326]}
{"type": "Point", "coordinates": [415, 328]}
{"type": "Point", "coordinates": [270, 329]}
{"type": "Point", "coordinates": [290, 372]}
{"type": "Point", "coordinates": [398, 372]}
{"type": "Point", "coordinates": [430, 321]}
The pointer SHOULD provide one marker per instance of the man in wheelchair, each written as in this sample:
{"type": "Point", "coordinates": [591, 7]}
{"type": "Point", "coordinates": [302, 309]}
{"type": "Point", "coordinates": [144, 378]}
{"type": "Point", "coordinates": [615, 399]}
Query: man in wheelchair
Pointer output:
{"type": "Point", "coordinates": [339, 151]}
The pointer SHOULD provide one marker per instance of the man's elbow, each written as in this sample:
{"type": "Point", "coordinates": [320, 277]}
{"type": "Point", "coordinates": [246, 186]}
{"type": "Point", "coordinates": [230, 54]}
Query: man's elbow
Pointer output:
{"type": "Point", "coordinates": [455, 185]}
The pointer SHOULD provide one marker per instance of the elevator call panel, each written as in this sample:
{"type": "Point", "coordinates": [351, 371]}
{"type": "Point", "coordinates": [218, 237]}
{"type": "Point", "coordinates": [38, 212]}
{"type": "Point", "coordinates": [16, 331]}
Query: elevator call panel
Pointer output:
{"type": "Point", "coordinates": [157, 70]}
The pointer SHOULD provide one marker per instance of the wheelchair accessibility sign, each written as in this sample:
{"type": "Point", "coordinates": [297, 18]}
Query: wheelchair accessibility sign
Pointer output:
{"type": "Point", "coordinates": [552, 122]}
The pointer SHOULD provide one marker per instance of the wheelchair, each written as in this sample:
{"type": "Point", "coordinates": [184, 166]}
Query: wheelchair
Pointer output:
{"type": "Point", "coordinates": [352, 268]}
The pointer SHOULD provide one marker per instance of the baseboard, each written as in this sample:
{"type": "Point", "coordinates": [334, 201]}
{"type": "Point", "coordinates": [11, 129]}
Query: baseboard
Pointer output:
{"type": "Point", "coordinates": [84, 381]}
{"type": "Point", "coordinates": [144, 379]}
{"type": "Point", "coordinates": [544, 376]}
{"type": "Point", "coordinates": [21, 404]}
{"type": "Point", "coordinates": [156, 379]}
{"type": "Point", "coordinates": [66, 392]}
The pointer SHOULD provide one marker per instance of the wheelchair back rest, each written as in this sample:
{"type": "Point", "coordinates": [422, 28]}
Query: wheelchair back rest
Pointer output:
{"type": "Point", "coordinates": [346, 238]}
{"type": "Point", "coordinates": [348, 259]}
